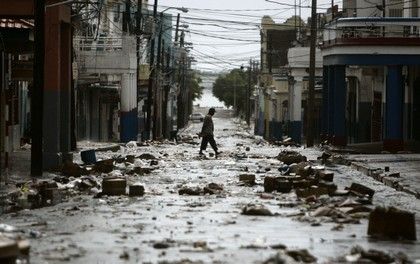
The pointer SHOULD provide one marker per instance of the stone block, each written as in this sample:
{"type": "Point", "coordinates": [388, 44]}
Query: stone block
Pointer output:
{"type": "Point", "coordinates": [270, 184]}
{"type": "Point", "coordinates": [302, 184]}
{"type": "Point", "coordinates": [51, 196]}
{"type": "Point", "coordinates": [325, 175]}
{"type": "Point", "coordinates": [114, 186]}
{"type": "Point", "coordinates": [361, 190]}
{"type": "Point", "coordinates": [390, 182]}
{"type": "Point", "coordinates": [314, 190]}
{"type": "Point", "coordinates": [279, 184]}
{"type": "Point", "coordinates": [392, 223]}
{"type": "Point", "coordinates": [9, 250]}
{"type": "Point", "coordinates": [256, 210]}
{"type": "Point", "coordinates": [247, 178]}
{"type": "Point", "coordinates": [190, 191]}
{"type": "Point", "coordinates": [136, 190]}
{"type": "Point", "coordinates": [104, 166]}
{"type": "Point", "coordinates": [147, 156]}
{"type": "Point", "coordinates": [329, 185]}
{"type": "Point", "coordinates": [289, 157]}
{"type": "Point", "coordinates": [72, 169]}
{"type": "Point", "coordinates": [24, 248]}
{"type": "Point", "coordinates": [284, 186]}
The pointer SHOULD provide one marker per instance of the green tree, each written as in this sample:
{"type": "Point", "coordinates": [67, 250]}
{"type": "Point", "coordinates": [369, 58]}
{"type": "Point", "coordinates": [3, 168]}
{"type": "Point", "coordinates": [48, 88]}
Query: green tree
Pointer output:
{"type": "Point", "coordinates": [224, 89]}
{"type": "Point", "coordinates": [196, 88]}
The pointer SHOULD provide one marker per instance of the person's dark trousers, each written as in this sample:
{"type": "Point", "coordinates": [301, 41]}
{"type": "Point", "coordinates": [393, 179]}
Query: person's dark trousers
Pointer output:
{"type": "Point", "coordinates": [208, 139]}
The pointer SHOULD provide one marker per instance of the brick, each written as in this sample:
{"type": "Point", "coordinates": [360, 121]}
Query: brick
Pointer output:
{"type": "Point", "coordinates": [104, 166]}
{"type": "Point", "coordinates": [9, 250]}
{"type": "Point", "coordinates": [51, 194]}
{"type": "Point", "coordinates": [329, 185]}
{"type": "Point", "coordinates": [362, 190]}
{"type": "Point", "coordinates": [390, 182]}
{"type": "Point", "coordinates": [302, 184]}
{"type": "Point", "coordinates": [326, 175]}
{"type": "Point", "coordinates": [278, 184]}
{"type": "Point", "coordinates": [314, 190]}
{"type": "Point", "coordinates": [248, 178]}
{"type": "Point", "coordinates": [270, 184]}
{"type": "Point", "coordinates": [290, 157]}
{"type": "Point", "coordinates": [115, 186]}
{"type": "Point", "coordinates": [284, 186]}
{"type": "Point", "coordinates": [392, 223]}
{"type": "Point", "coordinates": [72, 169]}
{"type": "Point", "coordinates": [24, 248]}
{"type": "Point", "coordinates": [135, 190]}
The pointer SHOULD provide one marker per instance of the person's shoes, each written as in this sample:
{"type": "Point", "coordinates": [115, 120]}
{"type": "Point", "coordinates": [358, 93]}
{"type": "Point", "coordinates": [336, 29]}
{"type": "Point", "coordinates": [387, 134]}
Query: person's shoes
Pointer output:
{"type": "Point", "coordinates": [217, 153]}
{"type": "Point", "coordinates": [200, 153]}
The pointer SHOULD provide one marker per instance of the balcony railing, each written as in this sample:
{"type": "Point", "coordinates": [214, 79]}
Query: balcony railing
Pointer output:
{"type": "Point", "coordinates": [372, 30]}
{"type": "Point", "coordinates": [105, 44]}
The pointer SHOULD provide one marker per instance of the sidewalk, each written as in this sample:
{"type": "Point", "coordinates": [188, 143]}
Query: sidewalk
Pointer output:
{"type": "Point", "coordinates": [403, 174]}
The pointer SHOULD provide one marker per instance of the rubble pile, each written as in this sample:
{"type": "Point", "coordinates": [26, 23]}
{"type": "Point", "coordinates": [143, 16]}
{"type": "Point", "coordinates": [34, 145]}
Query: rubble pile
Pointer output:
{"type": "Point", "coordinates": [285, 255]}
{"type": "Point", "coordinates": [211, 188]}
{"type": "Point", "coordinates": [107, 175]}
{"type": "Point", "coordinates": [315, 186]}
{"type": "Point", "coordinates": [359, 255]}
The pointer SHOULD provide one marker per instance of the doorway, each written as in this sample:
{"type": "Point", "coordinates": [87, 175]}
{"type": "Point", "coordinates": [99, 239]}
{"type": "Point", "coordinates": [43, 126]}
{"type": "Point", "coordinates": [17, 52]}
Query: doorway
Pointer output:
{"type": "Point", "coordinates": [376, 131]}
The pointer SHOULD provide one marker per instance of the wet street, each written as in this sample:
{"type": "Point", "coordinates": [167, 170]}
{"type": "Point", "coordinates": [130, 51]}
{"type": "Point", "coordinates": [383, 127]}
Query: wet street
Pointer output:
{"type": "Point", "coordinates": [165, 227]}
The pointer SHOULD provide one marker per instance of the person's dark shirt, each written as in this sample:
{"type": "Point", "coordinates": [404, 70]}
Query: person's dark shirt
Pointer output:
{"type": "Point", "coordinates": [208, 127]}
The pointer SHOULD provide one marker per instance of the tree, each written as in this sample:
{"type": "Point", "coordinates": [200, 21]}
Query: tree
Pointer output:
{"type": "Point", "coordinates": [224, 89]}
{"type": "Point", "coordinates": [196, 88]}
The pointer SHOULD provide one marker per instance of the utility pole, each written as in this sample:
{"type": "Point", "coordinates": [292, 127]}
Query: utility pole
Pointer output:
{"type": "Point", "coordinates": [383, 15]}
{"type": "Point", "coordinates": [37, 99]}
{"type": "Point", "coordinates": [248, 94]}
{"type": "Point", "coordinates": [177, 27]}
{"type": "Point", "coordinates": [332, 9]}
{"type": "Point", "coordinates": [151, 77]}
{"type": "Point", "coordinates": [383, 8]}
{"type": "Point", "coordinates": [158, 81]}
{"type": "Point", "coordinates": [310, 111]}
{"type": "Point", "coordinates": [138, 35]}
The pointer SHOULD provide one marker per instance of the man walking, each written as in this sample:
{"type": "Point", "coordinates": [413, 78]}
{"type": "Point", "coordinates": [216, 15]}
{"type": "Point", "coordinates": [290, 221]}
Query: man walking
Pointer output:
{"type": "Point", "coordinates": [207, 133]}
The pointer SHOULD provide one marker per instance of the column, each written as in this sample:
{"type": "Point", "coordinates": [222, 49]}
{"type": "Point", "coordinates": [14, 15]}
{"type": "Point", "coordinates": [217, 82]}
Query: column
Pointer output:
{"type": "Point", "coordinates": [330, 103]}
{"type": "Point", "coordinates": [296, 116]}
{"type": "Point", "coordinates": [65, 94]}
{"type": "Point", "coordinates": [339, 136]}
{"type": "Point", "coordinates": [128, 116]}
{"type": "Point", "coordinates": [393, 139]}
{"type": "Point", "coordinates": [52, 90]}
{"type": "Point", "coordinates": [325, 89]}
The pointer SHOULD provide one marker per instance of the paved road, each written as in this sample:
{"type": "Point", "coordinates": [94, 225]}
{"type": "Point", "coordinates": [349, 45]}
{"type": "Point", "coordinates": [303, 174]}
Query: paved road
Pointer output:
{"type": "Point", "coordinates": [128, 230]}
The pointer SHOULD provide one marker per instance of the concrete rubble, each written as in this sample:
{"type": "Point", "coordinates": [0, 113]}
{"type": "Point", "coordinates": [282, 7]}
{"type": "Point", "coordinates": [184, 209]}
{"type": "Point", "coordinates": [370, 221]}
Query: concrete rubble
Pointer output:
{"type": "Point", "coordinates": [267, 203]}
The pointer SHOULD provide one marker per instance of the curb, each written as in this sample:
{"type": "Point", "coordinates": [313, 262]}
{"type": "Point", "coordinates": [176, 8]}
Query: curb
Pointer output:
{"type": "Point", "coordinates": [380, 176]}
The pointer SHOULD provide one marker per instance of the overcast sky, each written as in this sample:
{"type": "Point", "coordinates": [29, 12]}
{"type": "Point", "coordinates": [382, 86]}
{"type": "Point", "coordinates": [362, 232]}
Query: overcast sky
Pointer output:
{"type": "Point", "coordinates": [225, 33]}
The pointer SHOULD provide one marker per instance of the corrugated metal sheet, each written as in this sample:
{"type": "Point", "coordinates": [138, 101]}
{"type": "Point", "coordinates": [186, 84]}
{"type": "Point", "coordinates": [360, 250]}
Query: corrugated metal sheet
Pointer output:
{"type": "Point", "coordinates": [16, 23]}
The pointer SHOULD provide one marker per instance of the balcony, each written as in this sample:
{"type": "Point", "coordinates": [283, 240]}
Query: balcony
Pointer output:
{"type": "Point", "coordinates": [372, 31]}
{"type": "Point", "coordinates": [105, 55]}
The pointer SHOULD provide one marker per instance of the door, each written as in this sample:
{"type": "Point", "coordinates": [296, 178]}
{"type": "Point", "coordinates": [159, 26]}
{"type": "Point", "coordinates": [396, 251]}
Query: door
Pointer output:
{"type": "Point", "coordinates": [376, 131]}
{"type": "Point", "coordinates": [352, 111]}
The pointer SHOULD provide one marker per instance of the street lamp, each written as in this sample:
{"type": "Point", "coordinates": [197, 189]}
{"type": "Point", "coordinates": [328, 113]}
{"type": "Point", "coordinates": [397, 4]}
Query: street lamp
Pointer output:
{"type": "Point", "coordinates": [182, 9]}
